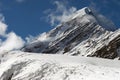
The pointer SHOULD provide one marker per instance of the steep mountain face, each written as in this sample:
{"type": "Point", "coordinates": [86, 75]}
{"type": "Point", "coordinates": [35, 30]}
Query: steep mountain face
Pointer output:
{"type": "Point", "coordinates": [86, 33]}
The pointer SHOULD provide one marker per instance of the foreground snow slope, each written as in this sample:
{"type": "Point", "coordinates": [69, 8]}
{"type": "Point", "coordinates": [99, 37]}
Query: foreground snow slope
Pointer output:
{"type": "Point", "coordinates": [18, 65]}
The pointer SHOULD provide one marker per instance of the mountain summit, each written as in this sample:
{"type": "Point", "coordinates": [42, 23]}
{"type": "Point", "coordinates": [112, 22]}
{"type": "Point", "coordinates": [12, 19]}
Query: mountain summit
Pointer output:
{"type": "Point", "coordinates": [85, 33]}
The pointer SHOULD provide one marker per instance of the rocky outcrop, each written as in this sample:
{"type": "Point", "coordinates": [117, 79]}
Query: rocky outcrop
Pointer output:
{"type": "Point", "coordinates": [108, 51]}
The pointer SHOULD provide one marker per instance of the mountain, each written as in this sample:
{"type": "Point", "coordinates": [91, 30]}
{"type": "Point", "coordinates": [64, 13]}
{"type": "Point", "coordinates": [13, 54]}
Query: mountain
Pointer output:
{"type": "Point", "coordinates": [85, 33]}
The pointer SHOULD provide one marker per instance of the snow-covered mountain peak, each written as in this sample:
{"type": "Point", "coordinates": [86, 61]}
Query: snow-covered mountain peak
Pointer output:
{"type": "Point", "coordinates": [81, 12]}
{"type": "Point", "coordinates": [91, 15]}
{"type": "Point", "coordinates": [85, 33]}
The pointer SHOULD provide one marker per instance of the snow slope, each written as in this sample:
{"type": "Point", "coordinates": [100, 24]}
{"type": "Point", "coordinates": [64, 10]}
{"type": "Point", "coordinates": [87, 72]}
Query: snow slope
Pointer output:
{"type": "Point", "coordinates": [18, 65]}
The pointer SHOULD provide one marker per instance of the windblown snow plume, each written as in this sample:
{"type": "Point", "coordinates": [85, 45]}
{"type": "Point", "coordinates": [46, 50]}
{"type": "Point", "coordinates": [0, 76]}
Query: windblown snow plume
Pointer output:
{"type": "Point", "coordinates": [61, 13]}
{"type": "Point", "coordinates": [12, 41]}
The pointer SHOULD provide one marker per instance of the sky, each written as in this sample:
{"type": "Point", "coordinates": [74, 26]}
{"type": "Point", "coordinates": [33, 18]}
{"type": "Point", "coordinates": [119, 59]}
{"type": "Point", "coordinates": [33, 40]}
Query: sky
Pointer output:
{"type": "Point", "coordinates": [22, 18]}
{"type": "Point", "coordinates": [29, 17]}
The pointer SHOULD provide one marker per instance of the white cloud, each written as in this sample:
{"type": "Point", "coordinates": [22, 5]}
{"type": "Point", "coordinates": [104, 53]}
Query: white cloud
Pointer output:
{"type": "Point", "coordinates": [2, 19]}
{"type": "Point", "coordinates": [29, 39]}
{"type": "Point", "coordinates": [61, 13]}
{"type": "Point", "coordinates": [44, 37]}
{"type": "Point", "coordinates": [12, 41]}
{"type": "Point", "coordinates": [3, 28]}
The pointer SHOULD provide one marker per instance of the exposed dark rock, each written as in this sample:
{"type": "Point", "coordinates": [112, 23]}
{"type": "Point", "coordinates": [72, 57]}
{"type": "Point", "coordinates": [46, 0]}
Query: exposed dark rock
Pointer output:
{"type": "Point", "coordinates": [109, 51]}
{"type": "Point", "coordinates": [10, 78]}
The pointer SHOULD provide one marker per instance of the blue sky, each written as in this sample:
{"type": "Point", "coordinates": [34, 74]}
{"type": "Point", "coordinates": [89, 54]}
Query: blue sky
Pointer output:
{"type": "Point", "coordinates": [30, 17]}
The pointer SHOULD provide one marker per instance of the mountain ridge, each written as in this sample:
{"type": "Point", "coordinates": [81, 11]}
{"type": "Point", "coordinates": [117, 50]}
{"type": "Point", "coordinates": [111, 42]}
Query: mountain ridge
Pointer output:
{"type": "Point", "coordinates": [85, 27]}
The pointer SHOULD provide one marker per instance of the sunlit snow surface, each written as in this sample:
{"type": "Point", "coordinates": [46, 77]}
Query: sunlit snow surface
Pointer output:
{"type": "Point", "coordinates": [30, 66]}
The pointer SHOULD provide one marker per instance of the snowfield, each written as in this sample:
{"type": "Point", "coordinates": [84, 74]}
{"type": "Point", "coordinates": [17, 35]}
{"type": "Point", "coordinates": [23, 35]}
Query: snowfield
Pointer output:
{"type": "Point", "coordinates": [18, 65]}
